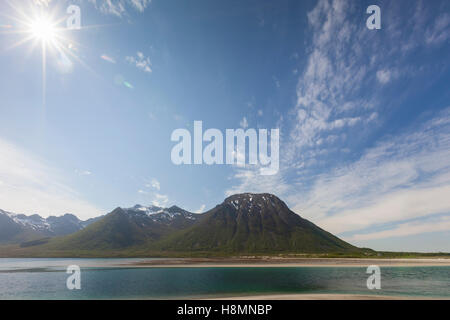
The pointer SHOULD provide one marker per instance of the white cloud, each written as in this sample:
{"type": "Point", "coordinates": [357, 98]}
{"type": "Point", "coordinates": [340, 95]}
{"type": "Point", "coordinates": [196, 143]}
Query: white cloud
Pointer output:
{"type": "Point", "coordinates": [42, 2]}
{"type": "Point", "coordinates": [342, 63]}
{"type": "Point", "coordinates": [440, 31]}
{"type": "Point", "coordinates": [140, 5]}
{"type": "Point", "coordinates": [401, 178]}
{"type": "Point", "coordinates": [244, 123]}
{"type": "Point", "coordinates": [399, 205]}
{"type": "Point", "coordinates": [201, 209]}
{"type": "Point", "coordinates": [150, 193]}
{"type": "Point", "coordinates": [277, 82]}
{"type": "Point", "coordinates": [29, 185]}
{"type": "Point", "coordinates": [119, 7]}
{"type": "Point", "coordinates": [160, 200]}
{"type": "Point", "coordinates": [383, 76]}
{"type": "Point", "coordinates": [155, 184]}
{"type": "Point", "coordinates": [387, 75]}
{"type": "Point", "coordinates": [328, 88]}
{"type": "Point", "coordinates": [406, 229]}
{"type": "Point", "coordinates": [140, 61]}
{"type": "Point", "coordinates": [83, 172]}
{"type": "Point", "coordinates": [251, 180]}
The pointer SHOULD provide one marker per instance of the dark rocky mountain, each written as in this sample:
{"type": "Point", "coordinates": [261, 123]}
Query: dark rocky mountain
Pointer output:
{"type": "Point", "coordinates": [252, 223]}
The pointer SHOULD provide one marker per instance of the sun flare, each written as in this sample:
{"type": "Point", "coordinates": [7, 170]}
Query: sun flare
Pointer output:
{"type": "Point", "coordinates": [46, 29]}
{"type": "Point", "coordinates": [43, 29]}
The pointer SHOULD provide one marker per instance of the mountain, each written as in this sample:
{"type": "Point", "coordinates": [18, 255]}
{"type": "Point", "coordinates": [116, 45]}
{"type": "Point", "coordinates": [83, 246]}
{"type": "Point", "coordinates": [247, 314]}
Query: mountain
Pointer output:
{"type": "Point", "coordinates": [254, 223]}
{"type": "Point", "coordinates": [243, 224]}
{"type": "Point", "coordinates": [16, 228]}
{"type": "Point", "coordinates": [131, 227]}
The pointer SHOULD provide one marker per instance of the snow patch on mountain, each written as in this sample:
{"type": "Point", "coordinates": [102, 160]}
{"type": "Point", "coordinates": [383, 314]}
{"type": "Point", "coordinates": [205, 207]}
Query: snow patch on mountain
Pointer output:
{"type": "Point", "coordinates": [159, 214]}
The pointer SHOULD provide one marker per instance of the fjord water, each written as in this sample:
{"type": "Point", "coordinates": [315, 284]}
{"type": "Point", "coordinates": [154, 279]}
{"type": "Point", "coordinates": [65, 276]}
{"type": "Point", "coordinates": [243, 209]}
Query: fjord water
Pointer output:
{"type": "Point", "coordinates": [112, 279]}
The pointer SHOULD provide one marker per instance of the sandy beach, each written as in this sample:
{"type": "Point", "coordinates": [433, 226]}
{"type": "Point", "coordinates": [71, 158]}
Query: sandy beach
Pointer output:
{"type": "Point", "coordinates": [326, 296]}
{"type": "Point", "coordinates": [286, 262]}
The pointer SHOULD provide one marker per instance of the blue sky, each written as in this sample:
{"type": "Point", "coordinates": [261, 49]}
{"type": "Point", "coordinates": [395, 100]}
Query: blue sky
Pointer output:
{"type": "Point", "coordinates": [364, 115]}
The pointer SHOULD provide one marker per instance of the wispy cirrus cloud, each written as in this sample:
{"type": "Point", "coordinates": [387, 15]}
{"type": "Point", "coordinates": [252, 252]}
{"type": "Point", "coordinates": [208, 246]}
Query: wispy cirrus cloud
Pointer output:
{"type": "Point", "coordinates": [437, 224]}
{"type": "Point", "coordinates": [29, 185]}
{"type": "Point", "coordinates": [201, 209]}
{"type": "Point", "coordinates": [384, 76]}
{"type": "Point", "coordinates": [340, 94]}
{"type": "Point", "coordinates": [329, 97]}
{"type": "Point", "coordinates": [439, 32]}
{"type": "Point", "coordinates": [42, 2]}
{"type": "Point", "coordinates": [154, 183]}
{"type": "Point", "coordinates": [150, 193]}
{"type": "Point", "coordinates": [140, 61]}
{"type": "Point", "coordinates": [160, 200]}
{"type": "Point", "coordinates": [251, 180]}
{"type": "Point", "coordinates": [120, 8]}
{"type": "Point", "coordinates": [402, 178]}
{"type": "Point", "coordinates": [348, 67]}
{"type": "Point", "coordinates": [83, 172]}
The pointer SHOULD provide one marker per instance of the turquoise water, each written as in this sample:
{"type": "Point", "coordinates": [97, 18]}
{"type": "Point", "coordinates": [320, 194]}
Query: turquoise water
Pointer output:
{"type": "Point", "coordinates": [108, 279]}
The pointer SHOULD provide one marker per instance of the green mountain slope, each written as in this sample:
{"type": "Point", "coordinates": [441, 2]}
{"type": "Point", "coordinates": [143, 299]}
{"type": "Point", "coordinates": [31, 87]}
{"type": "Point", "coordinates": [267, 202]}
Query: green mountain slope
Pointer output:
{"type": "Point", "coordinates": [125, 228]}
{"type": "Point", "coordinates": [254, 223]}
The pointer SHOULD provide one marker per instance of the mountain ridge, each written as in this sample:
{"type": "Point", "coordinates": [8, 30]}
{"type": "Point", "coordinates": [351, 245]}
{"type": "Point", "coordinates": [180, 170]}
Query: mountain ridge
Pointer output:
{"type": "Point", "coordinates": [17, 227]}
{"type": "Point", "coordinates": [244, 223]}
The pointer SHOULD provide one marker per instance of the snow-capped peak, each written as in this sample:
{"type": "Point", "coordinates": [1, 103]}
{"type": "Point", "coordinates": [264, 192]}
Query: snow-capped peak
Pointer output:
{"type": "Point", "coordinates": [160, 214]}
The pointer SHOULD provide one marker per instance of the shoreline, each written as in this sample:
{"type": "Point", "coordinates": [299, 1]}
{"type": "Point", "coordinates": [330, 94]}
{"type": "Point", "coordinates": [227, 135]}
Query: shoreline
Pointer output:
{"type": "Point", "coordinates": [286, 262]}
{"type": "Point", "coordinates": [236, 262]}
{"type": "Point", "coordinates": [326, 296]}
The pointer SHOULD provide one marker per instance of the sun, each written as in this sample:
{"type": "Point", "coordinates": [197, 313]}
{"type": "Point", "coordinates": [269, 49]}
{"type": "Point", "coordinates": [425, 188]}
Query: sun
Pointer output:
{"type": "Point", "coordinates": [43, 29]}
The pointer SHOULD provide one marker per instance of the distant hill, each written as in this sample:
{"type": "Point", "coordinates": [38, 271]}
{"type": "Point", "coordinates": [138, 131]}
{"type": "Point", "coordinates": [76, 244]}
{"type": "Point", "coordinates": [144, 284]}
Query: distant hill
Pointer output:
{"type": "Point", "coordinates": [16, 228]}
{"type": "Point", "coordinates": [243, 224]}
